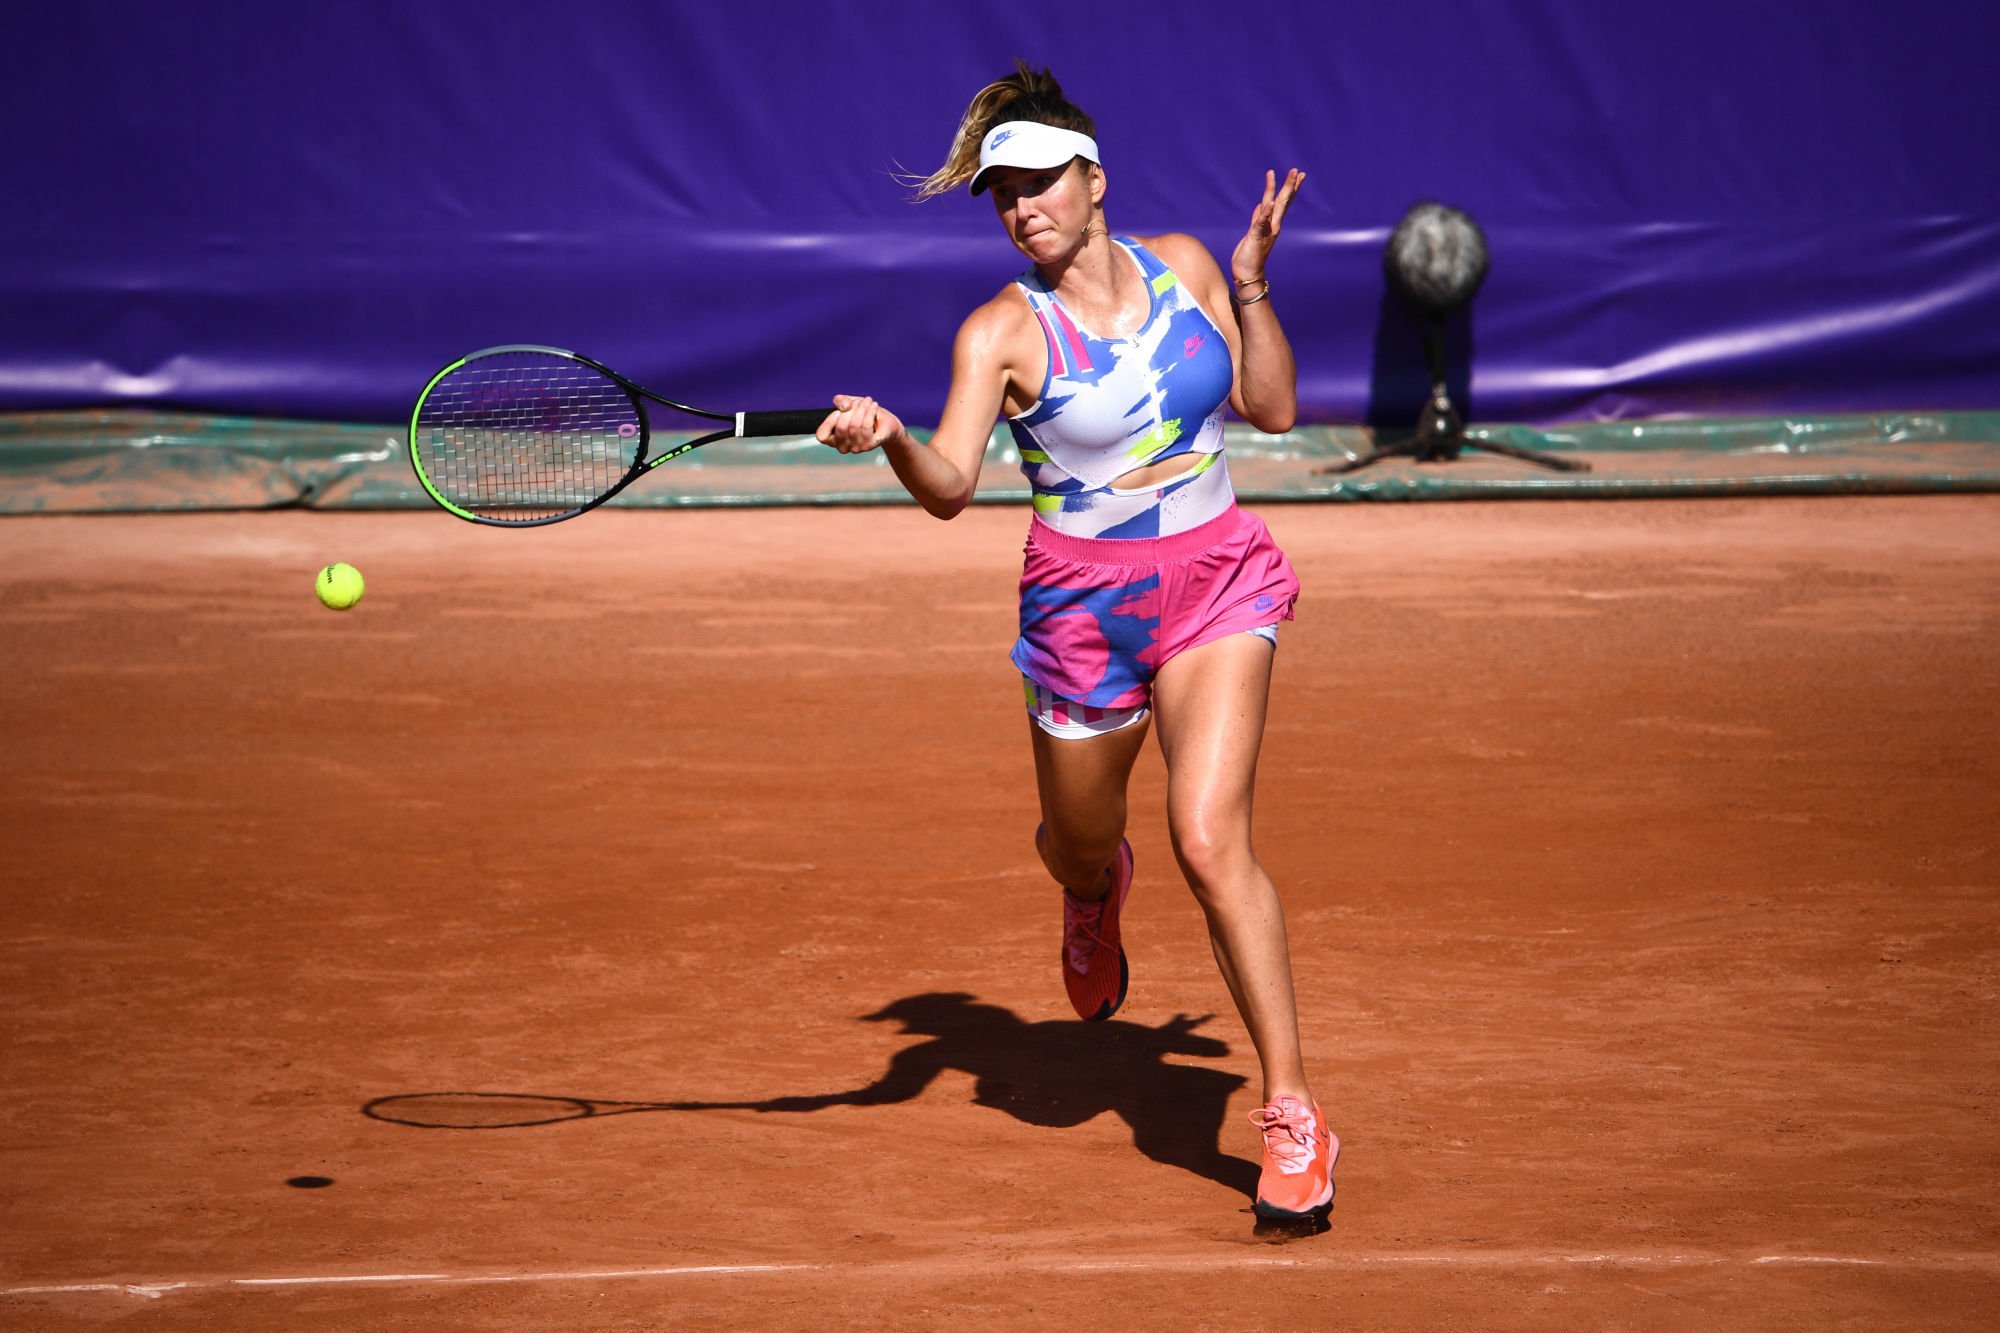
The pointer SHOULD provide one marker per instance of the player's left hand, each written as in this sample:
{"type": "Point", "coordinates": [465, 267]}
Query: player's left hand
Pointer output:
{"type": "Point", "coordinates": [858, 425]}
{"type": "Point", "coordinates": [1246, 265]}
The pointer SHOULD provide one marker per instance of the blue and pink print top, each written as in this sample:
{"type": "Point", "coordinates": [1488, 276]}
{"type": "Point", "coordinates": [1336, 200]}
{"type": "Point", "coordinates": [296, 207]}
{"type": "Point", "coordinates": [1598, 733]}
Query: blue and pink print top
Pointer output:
{"type": "Point", "coordinates": [1109, 405]}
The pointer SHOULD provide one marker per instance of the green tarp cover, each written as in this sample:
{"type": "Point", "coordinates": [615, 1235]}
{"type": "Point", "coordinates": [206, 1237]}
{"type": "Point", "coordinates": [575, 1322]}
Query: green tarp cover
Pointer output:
{"type": "Point", "coordinates": [125, 462]}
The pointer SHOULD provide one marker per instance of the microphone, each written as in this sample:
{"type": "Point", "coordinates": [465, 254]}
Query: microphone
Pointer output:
{"type": "Point", "coordinates": [1435, 262]}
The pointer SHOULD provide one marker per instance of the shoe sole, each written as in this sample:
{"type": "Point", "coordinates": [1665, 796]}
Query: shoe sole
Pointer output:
{"type": "Point", "coordinates": [1110, 1007]}
{"type": "Point", "coordinates": [1270, 1212]}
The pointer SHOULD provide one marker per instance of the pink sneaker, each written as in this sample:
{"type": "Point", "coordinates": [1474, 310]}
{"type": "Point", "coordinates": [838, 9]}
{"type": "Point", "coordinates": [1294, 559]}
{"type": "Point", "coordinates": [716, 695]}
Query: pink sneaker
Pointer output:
{"type": "Point", "coordinates": [1094, 970]}
{"type": "Point", "coordinates": [1299, 1152]}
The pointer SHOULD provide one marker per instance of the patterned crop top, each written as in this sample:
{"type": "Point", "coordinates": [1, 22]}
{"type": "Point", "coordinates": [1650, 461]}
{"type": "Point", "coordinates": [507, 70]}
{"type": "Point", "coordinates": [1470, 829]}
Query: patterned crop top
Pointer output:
{"type": "Point", "coordinates": [1109, 405]}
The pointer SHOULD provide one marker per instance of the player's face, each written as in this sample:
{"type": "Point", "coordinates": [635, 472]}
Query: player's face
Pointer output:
{"type": "Point", "coordinates": [1046, 209]}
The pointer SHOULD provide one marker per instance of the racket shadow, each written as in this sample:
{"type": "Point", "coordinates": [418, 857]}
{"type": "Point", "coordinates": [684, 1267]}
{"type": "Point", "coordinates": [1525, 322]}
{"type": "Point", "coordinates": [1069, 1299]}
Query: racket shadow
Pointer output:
{"type": "Point", "coordinates": [509, 1110]}
{"type": "Point", "coordinates": [1055, 1074]}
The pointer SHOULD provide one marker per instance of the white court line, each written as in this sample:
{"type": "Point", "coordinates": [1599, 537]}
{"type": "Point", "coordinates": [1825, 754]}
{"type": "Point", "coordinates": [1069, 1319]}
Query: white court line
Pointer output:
{"type": "Point", "coordinates": [590, 1275]}
{"type": "Point", "coordinates": [354, 1277]}
{"type": "Point", "coordinates": [1492, 1260]}
{"type": "Point", "coordinates": [154, 1290]}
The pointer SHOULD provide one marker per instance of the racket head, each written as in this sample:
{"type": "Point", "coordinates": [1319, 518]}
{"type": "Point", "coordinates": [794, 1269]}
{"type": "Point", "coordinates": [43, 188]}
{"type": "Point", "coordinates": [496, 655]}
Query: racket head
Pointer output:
{"type": "Point", "coordinates": [520, 435]}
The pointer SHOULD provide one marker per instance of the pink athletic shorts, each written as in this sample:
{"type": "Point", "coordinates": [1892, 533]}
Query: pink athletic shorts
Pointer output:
{"type": "Point", "coordinates": [1099, 615]}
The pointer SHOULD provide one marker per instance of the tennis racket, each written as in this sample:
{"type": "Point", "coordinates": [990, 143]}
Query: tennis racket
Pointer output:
{"type": "Point", "coordinates": [520, 435]}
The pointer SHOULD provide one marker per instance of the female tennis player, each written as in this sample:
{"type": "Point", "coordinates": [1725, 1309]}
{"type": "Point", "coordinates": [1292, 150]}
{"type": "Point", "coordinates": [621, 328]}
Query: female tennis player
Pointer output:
{"type": "Point", "coordinates": [1147, 596]}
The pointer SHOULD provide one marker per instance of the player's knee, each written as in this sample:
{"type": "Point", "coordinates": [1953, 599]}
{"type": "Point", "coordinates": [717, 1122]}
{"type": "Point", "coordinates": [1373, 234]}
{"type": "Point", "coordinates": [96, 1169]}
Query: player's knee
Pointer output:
{"type": "Point", "coordinates": [1212, 856]}
{"type": "Point", "coordinates": [1076, 861]}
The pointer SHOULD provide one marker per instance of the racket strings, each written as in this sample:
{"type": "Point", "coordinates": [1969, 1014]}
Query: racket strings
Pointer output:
{"type": "Point", "coordinates": [522, 436]}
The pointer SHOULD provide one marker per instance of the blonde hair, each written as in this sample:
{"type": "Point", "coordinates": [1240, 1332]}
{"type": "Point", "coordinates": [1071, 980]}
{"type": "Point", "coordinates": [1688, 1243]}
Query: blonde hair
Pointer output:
{"type": "Point", "coordinates": [1026, 94]}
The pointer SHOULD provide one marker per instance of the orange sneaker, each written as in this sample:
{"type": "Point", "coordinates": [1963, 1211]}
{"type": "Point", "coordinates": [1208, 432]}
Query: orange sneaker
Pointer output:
{"type": "Point", "coordinates": [1094, 970]}
{"type": "Point", "coordinates": [1299, 1152]}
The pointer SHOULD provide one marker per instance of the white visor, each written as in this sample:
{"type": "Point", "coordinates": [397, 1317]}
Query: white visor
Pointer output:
{"type": "Point", "coordinates": [1029, 143]}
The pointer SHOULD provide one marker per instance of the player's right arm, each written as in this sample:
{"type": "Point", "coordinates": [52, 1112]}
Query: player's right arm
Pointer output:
{"type": "Point", "coordinates": [943, 474]}
{"type": "Point", "coordinates": [910, 1071]}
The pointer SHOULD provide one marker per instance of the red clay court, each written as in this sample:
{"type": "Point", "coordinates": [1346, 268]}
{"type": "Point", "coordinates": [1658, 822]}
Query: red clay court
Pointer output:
{"type": "Point", "coordinates": [1640, 859]}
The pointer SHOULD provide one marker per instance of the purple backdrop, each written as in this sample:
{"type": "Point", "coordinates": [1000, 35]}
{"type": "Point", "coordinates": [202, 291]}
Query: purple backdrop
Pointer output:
{"type": "Point", "coordinates": [1714, 207]}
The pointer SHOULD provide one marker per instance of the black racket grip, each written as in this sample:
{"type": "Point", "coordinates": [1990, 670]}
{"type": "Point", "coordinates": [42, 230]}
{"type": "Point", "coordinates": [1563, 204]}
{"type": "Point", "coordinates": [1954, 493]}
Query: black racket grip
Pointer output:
{"type": "Point", "coordinates": [780, 423]}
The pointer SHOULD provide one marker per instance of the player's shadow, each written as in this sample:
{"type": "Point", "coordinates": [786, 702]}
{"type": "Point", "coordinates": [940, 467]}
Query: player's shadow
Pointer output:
{"type": "Point", "coordinates": [1060, 1074]}
{"type": "Point", "coordinates": [1056, 1075]}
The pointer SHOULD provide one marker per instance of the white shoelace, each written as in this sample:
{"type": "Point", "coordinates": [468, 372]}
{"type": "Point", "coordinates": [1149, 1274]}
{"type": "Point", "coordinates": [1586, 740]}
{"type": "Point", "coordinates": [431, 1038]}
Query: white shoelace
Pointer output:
{"type": "Point", "coordinates": [1288, 1134]}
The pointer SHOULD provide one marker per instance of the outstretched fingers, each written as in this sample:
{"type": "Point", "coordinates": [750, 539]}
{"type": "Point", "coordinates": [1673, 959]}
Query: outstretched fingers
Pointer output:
{"type": "Point", "coordinates": [1281, 200]}
{"type": "Point", "coordinates": [1266, 220]}
{"type": "Point", "coordinates": [1269, 215]}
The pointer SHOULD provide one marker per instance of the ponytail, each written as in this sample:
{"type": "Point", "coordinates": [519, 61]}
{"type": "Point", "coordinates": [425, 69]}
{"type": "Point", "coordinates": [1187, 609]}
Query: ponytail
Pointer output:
{"type": "Point", "coordinates": [1026, 94]}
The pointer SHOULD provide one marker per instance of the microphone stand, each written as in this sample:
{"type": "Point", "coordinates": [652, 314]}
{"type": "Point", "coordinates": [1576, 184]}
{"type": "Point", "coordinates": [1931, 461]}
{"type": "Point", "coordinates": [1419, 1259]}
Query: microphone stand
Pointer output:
{"type": "Point", "coordinates": [1435, 262]}
{"type": "Point", "coordinates": [1440, 430]}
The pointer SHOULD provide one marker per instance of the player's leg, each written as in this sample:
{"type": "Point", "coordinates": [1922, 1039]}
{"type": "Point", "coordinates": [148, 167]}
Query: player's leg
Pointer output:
{"type": "Point", "coordinates": [1210, 702]}
{"type": "Point", "coordinates": [1081, 777]}
{"type": "Point", "coordinates": [1081, 781]}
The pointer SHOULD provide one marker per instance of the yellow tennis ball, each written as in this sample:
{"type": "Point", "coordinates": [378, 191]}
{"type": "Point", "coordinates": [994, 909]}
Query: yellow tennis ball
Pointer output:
{"type": "Point", "coordinates": [339, 586]}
